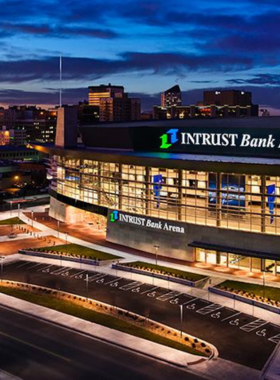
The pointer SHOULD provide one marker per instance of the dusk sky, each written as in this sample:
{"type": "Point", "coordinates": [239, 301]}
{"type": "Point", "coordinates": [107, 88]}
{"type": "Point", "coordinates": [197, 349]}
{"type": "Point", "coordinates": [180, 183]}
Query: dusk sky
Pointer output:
{"type": "Point", "coordinates": [146, 46]}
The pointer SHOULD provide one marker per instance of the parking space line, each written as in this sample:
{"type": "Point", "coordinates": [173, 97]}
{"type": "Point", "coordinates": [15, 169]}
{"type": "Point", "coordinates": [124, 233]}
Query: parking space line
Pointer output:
{"type": "Point", "coordinates": [231, 316]}
{"type": "Point", "coordinates": [96, 277]}
{"type": "Point", "coordinates": [168, 296]}
{"type": "Point", "coordinates": [209, 309]}
{"type": "Point", "coordinates": [111, 281]}
{"type": "Point", "coordinates": [189, 301]}
{"type": "Point", "coordinates": [131, 285]}
{"type": "Point", "coordinates": [275, 339]}
{"type": "Point", "coordinates": [77, 273]}
{"type": "Point", "coordinates": [22, 265]}
{"type": "Point", "coordinates": [34, 266]}
{"type": "Point", "coordinates": [60, 270]}
{"type": "Point", "coordinates": [150, 290]}
{"type": "Point", "coordinates": [66, 270]}
{"type": "Point", "coordinates": [253, 325]}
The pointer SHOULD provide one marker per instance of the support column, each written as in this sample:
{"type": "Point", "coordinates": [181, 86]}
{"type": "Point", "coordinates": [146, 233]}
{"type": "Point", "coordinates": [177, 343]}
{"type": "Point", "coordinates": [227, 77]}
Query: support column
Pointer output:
{"type": "Point", "coordinates": [275, 268]}
{"type": "Point", "coordinates": [263, 265]}
{"type": "Point", "coordinates": [250, 264]}
{"type": "Point", "coordinates": [263, 202]}
{"type": "Point", "coordinates": [147, 191]}
{"type": "Point", "coordinates": [180, 197]}
{"type": "Point", "coordinates": [227, 260]}
{"type": "Point", "coordinates": [99, 183]}
{"type": "Point", "coordinates": [205, 256]}
{"type": "Point", "coordinates": [120, 187]}
{"type": "Point", "coordinates": [219, 199]}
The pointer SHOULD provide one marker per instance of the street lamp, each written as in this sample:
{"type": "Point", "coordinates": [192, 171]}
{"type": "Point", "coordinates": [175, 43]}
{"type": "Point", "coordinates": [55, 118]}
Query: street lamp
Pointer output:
{"type": "Point", "coordinates": [181, 318]}
{"type": "Point", "coordinates": [2, 258]}
{"type": "Point", "coordinates": [18, 209]}
{"type": "Point", "coordinates": [156, 252]}
{"type": "Point", "coordinates": [87, 286]}
{"type": "Point", "coordinates": [66, 235]}
{"type": "Point", "coordinates": [263, 284]}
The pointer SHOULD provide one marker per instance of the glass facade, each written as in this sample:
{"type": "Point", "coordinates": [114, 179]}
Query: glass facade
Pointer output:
{"type": "Point", "coordinates": [226, 200]}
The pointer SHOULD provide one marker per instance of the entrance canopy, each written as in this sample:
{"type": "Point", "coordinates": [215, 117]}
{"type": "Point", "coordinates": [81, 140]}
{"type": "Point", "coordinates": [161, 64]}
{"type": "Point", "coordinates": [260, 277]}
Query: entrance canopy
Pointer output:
{"type": "Point", "coordinates": [235, 250]}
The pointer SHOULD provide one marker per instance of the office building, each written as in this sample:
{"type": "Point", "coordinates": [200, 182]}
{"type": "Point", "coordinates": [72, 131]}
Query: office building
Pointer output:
{"type": "Point", "coordinates": [114, 104]}
{"type": "Point", "coordinates": [171, 97]}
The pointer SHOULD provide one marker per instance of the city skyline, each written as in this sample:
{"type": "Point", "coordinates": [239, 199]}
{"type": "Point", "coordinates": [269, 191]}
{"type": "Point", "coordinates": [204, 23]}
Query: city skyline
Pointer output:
{"type": "Point", "coordinates": [145, 46]}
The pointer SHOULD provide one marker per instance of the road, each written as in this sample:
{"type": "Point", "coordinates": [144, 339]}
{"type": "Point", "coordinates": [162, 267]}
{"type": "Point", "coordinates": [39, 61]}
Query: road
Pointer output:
{"type": "Point", "coordinates": [33, 349]}
{"type": "Point", "coordinates": [239, 337]}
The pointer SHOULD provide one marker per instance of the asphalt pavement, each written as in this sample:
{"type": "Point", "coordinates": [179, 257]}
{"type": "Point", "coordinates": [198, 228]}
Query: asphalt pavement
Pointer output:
{"type": "Point", "coordinates": [239, 337]}
{"type": "Point", "coordinates": [33, 349]}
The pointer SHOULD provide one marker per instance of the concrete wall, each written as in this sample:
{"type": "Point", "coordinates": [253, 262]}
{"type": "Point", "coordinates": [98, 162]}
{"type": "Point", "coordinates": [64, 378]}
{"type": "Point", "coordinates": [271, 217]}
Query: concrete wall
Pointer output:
{"type": "Point", "coordinates": [176, 244]}
{"type": "Point", "coordinates": [64, 213]}
{"type": "Point", "coordinates": [66, 127]}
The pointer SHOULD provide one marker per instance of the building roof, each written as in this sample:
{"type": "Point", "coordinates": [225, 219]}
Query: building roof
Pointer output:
{"type": "Point", "coordinates": [175, 88]}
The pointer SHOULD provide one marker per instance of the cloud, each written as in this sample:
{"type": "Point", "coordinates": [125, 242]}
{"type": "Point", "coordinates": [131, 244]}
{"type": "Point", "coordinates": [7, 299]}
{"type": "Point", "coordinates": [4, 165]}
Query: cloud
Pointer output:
{"type": "Point", "coordinates": [43, 30]}
{"type": "Point", "coordinates": [260, 79]}
{"type": "Point", "coordinates": [46, 69]}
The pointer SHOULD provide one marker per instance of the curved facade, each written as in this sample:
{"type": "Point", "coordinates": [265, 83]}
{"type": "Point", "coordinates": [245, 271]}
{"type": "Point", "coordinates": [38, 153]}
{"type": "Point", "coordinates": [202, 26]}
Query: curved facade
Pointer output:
{"type": "Point", "coordinates": [220, 209]}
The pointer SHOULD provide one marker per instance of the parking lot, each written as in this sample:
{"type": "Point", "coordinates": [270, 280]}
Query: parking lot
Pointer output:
{"type": "Point", "coordinates": [238, 337]}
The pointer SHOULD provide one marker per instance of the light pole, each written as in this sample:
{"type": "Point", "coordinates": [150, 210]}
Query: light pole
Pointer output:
{"type": "Point", "coordinates": [263, 284]}
{"type": "Point", "coordinates": [11, 206]}
{"type": "Point", "coordinates": [156, 252]}
{"type": "Point", "coordinates": [18, 209]}
{"type": "Point", "coordinates": [87, 286]}
{"type": "Point", "coordinates": [2, 258]}
{"type": "Point", "coordinates": [58, 229]}
{"type": "Point", "coordinates": [66, 235]}
{"type": "Point", "coordinates": [181, 319]}
{"type": "Point", "coordinates": [32, 213]}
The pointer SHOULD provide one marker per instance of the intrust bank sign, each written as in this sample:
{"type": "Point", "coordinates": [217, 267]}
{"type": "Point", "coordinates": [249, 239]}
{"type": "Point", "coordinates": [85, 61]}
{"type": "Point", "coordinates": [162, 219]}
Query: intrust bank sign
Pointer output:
{"type": "Point", "coordinates": [206, 139]}
{"type": "Point", "coordinates": [116, 216]}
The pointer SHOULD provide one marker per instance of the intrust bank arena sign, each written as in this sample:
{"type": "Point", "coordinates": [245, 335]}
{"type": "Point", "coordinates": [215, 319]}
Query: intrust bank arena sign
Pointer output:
{"type": "Point", "coordinates": [116, 216]}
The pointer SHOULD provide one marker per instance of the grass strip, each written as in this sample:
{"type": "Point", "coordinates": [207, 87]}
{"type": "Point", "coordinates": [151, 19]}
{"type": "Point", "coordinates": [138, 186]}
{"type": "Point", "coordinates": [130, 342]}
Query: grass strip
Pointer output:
{"type": "Point", "coordinates": [258, 290]}
{"type": "Point", "coordinates": [166, 270]}
{"type": "Point", "coordinates": [11, 221]}
{"type": "Point", "coordinates": [95, 317]}
{"type": "Point", "coordinates": [79, 250]}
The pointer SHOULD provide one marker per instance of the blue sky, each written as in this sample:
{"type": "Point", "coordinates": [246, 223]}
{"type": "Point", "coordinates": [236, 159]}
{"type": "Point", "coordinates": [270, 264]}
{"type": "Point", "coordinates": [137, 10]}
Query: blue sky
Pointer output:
{"type": "Point", "coordinates": [147, 46]}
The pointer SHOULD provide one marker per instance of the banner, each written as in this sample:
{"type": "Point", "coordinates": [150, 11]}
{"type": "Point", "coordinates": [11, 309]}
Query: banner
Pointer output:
{"type": "Point", "coordinates": [157, 181]}
{"type": "Point", "coordinates": [271, 200]}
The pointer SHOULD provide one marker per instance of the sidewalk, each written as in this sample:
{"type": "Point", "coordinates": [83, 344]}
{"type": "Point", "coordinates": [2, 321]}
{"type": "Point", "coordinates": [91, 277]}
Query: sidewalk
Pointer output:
{"type": "Point", "coordinates": [218, 369]}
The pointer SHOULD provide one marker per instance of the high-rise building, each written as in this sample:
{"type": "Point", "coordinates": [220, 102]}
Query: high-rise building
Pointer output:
{"type": "Point", "coordinates": [113, 103]}
{"type": "Point", "coordinates": [171, 97]}
{"type": "Point", "coordinates": [227, 97]}
{"type": "Point", "coordinates": [96, 93]}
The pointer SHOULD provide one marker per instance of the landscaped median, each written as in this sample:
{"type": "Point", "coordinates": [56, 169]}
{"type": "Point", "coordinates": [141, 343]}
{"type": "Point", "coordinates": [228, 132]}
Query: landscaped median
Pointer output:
{"type": "Point", "coordinates": [11, 222]}
{"type": "Point", "coordinates": [266, 297]}
{"type": "Point", "coordinates": [109, 316]}
{"type": "Point", "coordinates": [71, 252]}
{"type": "Point", "coordinates": [159, 271]}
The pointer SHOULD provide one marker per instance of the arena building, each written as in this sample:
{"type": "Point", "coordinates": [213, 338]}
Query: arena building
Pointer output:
{"type": "Point", "coordinates": [197, 190]}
